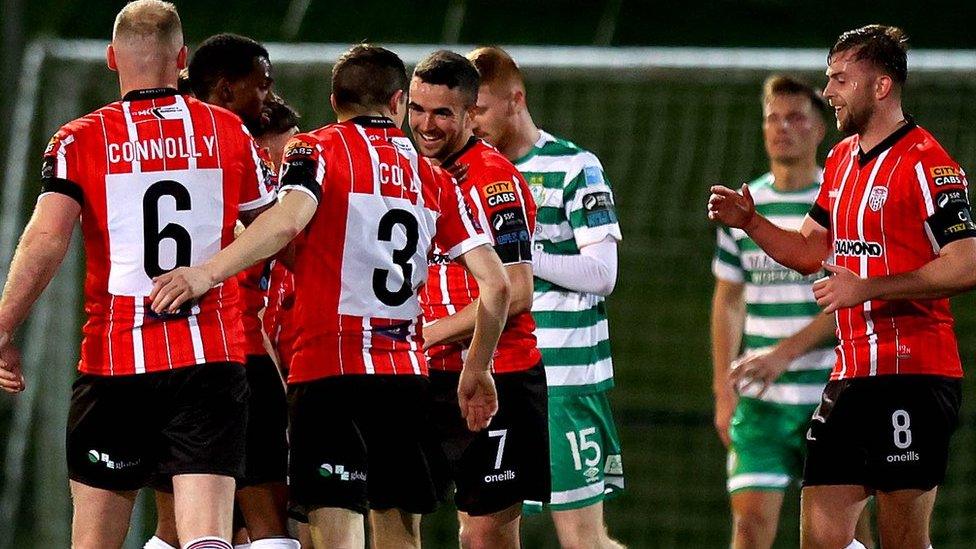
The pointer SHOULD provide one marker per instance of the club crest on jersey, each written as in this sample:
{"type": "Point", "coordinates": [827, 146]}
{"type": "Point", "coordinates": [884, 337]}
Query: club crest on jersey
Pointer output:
{"type": "Point", "coordinates": [877, 198]}
{"type": "Point", "coordinates": [946, 175]}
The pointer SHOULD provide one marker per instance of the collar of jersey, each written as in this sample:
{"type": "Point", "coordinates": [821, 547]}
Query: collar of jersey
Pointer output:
{"type": "Point", "coordinates": [373, 121]}
{"type": "Point", "coordinates": [149, 93]}
{"type": "Point", "coordinates": [472, 141]}
{"type": "Point", "coordinates": [865, 157]}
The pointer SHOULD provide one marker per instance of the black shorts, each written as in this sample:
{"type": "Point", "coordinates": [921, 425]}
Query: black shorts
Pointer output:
{"type": "Point", "coordinates": [360, 442]}
{"type": "Point", "coordinates": [885, 433]}
{"type": "Point", "coordinates": [504, 464]}
{"type": "Point", "coordinates": [267, 423]}
{"type": "Point", "coordinates": [126, 432]}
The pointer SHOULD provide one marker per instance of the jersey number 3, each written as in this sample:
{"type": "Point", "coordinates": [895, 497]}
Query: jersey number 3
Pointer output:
{"type": "Point", "coordinates": [401, 257]}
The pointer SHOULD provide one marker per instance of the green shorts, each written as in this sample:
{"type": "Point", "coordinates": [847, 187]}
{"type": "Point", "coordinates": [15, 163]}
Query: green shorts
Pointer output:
{"type": "Point", "coordinates": [584, 452]}
{"type": "Point", "coordinates": [768, 444]}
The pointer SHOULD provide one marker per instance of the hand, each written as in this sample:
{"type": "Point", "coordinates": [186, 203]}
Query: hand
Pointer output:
{"type": "Point", "coordinates": [11, 376]}
{"type": "Point", "coordinates": [458, 171]}
{"type": "Point", "coordinates": [177, 287]}
{"type": "Point", "coordinates": [731, 208]}
{"type": "Point", "coordinates": [725, 402]}
{"type": "Point", "coordinates": [843, 289]}
{"type": "Point", "coordinates": [761, 368]}
{"type": "Point", "coordinates": [477, 397]}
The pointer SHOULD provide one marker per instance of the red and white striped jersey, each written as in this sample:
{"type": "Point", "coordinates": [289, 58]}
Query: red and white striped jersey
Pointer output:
{"type": "Point", "coordinates": [277, 318]}
{"type": "Point", "coordinates": [254, 285]}
{"type": "Point", "coordinates": [161, 179]}
{"type": "Point", "coordinates": [363, 257]}
{"type": "Point", "coordinates": [502, 203]}
{"type": "Point", "coordinates": [889, 211]}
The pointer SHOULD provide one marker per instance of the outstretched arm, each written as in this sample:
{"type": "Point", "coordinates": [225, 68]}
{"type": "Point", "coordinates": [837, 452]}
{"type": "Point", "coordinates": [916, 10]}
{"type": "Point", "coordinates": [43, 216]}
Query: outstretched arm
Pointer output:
{"type": "Point", "coordinates": [270, 232]}
{"type": "Point", "coordinates": [802, 250]}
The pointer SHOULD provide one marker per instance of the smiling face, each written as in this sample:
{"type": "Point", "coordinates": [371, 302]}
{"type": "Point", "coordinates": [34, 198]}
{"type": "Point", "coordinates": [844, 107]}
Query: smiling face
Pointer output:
{"type": "Point", "coordinates": [850, 90]}
{"type": "Point", "coordinates": [439, 119]}
{"type": "Point", "coordinates": [792, 128]}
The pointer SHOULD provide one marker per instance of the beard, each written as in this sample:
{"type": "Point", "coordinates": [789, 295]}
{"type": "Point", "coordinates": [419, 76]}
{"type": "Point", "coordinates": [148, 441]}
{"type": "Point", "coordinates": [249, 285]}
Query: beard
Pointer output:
{"type": "Point", "coordinates": [856, 120]}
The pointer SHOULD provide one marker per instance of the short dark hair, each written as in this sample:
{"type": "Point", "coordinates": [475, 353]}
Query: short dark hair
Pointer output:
{"type": "Point", "coordinates": [784, 84]}
{"type": "Point", "coordinates": [885, 47]}
{"type": "Point", "coordinates": [281, 117]}
{"type": "Point", "coordinates": [225, 55]}
{"type": "Point", "coordinates": [446, 68]}
{"type": "Point", "coordinates": [367, 76]}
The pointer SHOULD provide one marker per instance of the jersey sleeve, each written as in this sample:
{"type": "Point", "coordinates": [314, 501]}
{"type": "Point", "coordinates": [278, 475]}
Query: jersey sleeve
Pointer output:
{"type": "Point", "coordinates": [727, 264]}
{"type": "Point", "coordinates": [502, 202]}
{"type": "Point", "coordinates": [820, 210]}
{"type": "Point", "coordinates": [259, 182]}
{"type": "Point", "coordinates": [60, 167]}
{"type": "Point", "coordinates": [944, 198]}
{"type": "Point", "coordinates": [303, 166]}
{"type": "Point", "coordinates": [457, 230]}
{"type": "Point", "coordinates": [589, 205]}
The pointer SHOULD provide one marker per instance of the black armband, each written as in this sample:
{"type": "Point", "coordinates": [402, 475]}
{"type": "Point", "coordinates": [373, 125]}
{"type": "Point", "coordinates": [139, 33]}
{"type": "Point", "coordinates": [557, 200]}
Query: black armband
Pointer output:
{"type": "Point", "coordinates": [952, 219]}
{"type": "Point", "coordinates": [510, 233]}
{"type": "Point", "coordinates": [301, 173]}
{"type": "Point", "coordinates": [63, 186]}
{"type": "Point", "coordinates": [820, 215]}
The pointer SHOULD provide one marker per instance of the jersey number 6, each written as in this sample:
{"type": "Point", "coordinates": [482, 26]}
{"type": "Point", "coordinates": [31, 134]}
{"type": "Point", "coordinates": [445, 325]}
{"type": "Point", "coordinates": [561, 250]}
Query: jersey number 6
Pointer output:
{"type": "Point", "coordinates": [153, 236]}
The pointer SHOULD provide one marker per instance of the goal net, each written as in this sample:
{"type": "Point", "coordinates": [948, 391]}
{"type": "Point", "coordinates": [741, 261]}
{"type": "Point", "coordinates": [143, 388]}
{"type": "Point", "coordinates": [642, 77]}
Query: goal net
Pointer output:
{"type": "Point", "coordinates": [666, 122]}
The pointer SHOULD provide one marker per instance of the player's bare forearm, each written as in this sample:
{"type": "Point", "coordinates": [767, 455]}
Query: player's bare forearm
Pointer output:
{"type": "Point", "coordinates": [953, 272]}
{"type": "Point", "coordinates": [802, 250]}
{"type": "Point", "coordinates": [39, 255]}
{"type": "Point", "coordinates": [265, 236]}
{"type": "Point", "coordinates": [492, 311]}
{"type": "Point", "coordinates": [822, 328]}
{"type": "Point", "coordinates": [727, 319]}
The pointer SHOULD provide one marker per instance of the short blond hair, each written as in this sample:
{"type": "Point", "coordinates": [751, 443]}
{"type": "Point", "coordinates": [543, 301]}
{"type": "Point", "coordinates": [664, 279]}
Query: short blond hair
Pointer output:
{"type": "Point", "coordinates": [496, 66]}
{"type": "Point", "coordinates": [149, 20]}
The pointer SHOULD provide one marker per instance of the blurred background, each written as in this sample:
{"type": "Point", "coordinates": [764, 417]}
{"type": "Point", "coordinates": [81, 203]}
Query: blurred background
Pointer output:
{"type": "Point", "coordinates": [632, 81]}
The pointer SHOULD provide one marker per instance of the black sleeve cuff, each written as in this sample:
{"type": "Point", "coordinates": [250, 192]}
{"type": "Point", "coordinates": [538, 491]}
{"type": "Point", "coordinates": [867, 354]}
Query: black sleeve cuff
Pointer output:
{"type": "Point", "coordinates": [820, 215]}
{"type": "Point", "coordinates": [63, 186]}
{"type": "Point", "coordinates": [301, 173]}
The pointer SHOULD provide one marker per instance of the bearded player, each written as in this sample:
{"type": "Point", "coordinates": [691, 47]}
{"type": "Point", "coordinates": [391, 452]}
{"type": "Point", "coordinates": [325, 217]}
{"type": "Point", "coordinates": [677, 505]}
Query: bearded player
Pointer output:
{"type": "Point", "coordinates": [892, 225]}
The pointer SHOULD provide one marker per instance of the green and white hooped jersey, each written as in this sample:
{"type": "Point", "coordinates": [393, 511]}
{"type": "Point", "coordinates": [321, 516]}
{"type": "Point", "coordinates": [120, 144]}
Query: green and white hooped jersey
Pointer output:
{"type": "Point", "coordinates": [779, 301]}
{"type": "Point", "coordinates": [575, 208]}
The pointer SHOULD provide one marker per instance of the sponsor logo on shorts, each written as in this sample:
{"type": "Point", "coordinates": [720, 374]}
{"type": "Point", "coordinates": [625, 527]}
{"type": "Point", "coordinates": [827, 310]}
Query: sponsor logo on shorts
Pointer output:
{"type": "Point", "coordinates": [504, 476]}
{"type": "Point", "coordinates": [614, 466]}
{"type": "Point", "coordinates": [911, 455]}
{"type": "Point", "coordinates": [327, 470]}
{"type": "Point", "coordinates": [857, 248]}
{"type": "Point", "coordinates": [94, 456]}
{"type": "Point", "coordinates": [592, 474]}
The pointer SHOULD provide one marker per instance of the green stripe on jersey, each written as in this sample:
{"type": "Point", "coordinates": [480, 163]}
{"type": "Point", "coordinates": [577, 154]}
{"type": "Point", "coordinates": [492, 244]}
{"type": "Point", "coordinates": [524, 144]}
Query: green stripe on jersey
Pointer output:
{"type": "Point", "coordinates": [571, 326]}
{"type": "Point", "coordinates": [779, 300]}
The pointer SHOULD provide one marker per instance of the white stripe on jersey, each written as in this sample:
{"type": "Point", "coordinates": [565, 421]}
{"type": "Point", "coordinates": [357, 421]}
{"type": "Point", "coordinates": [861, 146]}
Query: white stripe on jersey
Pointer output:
{"type": "Point", "coordinates": [412, 339]}
{"type": "Point", "coordinates": [187, 128]}
{"type": "Point", "coordinates": [133, 135]}
{"type": "Point", "coordinates": [196, 338]}
{"type": "Point", "coordinates": [138, 351]}
{"type": "Point", "coordinates": [111, 327]}
{"type": "Point", "coordinates": [374, 157]}
{"type": "Point", "coordinates": [869, 322]}
{"type": "Point", "coordinates": [62, 159]}
{"type": "Point", "coordinates": [833, 259]}
{"type": "Point", "coordinates": [923, 184]}
{"type": "Point", "coordinates": [367, 344]}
